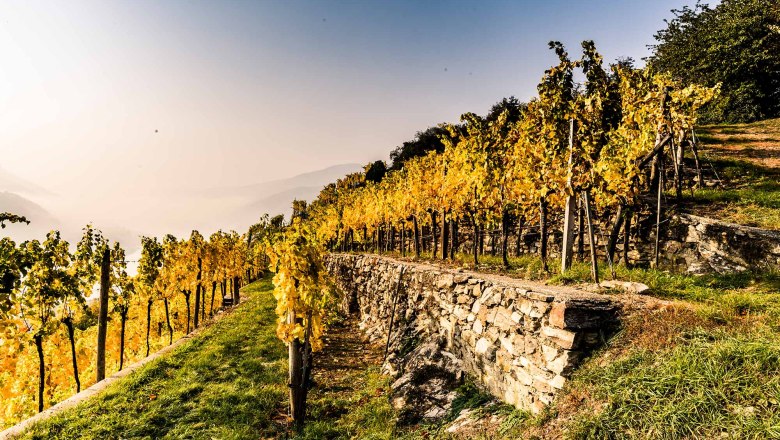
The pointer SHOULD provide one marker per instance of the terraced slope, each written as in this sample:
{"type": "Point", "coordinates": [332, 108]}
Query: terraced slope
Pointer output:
{"type": "Point", "coordinates": [741, 165]}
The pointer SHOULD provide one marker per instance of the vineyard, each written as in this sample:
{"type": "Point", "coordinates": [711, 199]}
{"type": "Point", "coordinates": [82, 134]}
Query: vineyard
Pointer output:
{"type": "Point", "coordinates": [606, 154]}
{"type": "Point", "coordinates": [58, 338]}
{"type": "Point", "coordinates": [578, 183]}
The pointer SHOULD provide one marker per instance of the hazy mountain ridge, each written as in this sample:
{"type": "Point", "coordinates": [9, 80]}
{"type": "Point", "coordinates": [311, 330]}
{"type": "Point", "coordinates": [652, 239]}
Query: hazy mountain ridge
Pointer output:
{"type": "Point", "coordinates": [207, 210]}
{"type": "Point", "coordinates": [262, 190]}
{"type": "Point", "coordinates": [12, 183]}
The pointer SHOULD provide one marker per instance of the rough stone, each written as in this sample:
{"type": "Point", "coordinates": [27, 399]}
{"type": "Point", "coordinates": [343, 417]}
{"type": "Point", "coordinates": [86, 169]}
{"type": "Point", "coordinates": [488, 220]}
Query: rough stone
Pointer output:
{"type": "Point", "coordinates": [445, 281]}
{"type": "Point", "coordinates": [564, 338]}
{"type": "Point", "coordinates": [482, 346]}
{"type": "Point", "coordinates": [503, 319]}
{"type": "Point", "coordinates": [582, 313]}
{"type": "Point", "coordinates": [519, 340]}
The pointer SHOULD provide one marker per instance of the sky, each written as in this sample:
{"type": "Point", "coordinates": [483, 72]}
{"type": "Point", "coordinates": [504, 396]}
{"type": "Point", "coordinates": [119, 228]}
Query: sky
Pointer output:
{"type": "Point", "coordinates": [124, 110]}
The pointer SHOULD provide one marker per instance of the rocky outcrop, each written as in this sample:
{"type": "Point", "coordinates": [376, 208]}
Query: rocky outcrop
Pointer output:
{"type": "Point", "coordinates": [520, 340]}
{"type": "Point", "coordinates": [702, 245]}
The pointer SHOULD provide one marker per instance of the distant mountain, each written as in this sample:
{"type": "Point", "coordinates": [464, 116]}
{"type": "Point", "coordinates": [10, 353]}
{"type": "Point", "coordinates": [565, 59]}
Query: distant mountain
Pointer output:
{"type": "Point", "coordinates": [274, 196]}
{"type": "Point", "coordinates": [281, 203]}
{"type": "Point", "coordinates": [258, 191]}
{"type": "Point", "coordinates": [15, 184]}
{"type": "Point", "coordinates": [41, 221]}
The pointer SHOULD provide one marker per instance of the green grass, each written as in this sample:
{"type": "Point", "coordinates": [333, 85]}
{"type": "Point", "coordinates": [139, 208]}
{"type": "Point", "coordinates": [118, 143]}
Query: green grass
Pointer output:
{"type": "Point", "coordinates": [750, 195]}
{"type": "Point", "coordinates": [227, 383]}
{"type": "Point", "coordinates": [700, 374]}
{"type": "Point", "coordinates": [709, 385]}
{"type": "Point", "coordinates": [746, 158]}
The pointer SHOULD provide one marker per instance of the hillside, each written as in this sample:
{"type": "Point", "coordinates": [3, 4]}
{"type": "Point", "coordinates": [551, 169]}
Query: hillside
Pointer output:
{"type": "Point", "coordinates": [229, 382]}
{"type": "Point", "coordinates": [41, 221]}
{"type": "Point", "coordinates": [742, 171]}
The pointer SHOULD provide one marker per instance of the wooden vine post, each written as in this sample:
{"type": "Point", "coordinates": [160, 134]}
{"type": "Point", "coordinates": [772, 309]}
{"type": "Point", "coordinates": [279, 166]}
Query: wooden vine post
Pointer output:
{"type": "Point", "coordinates": [594, 267]}
{"type": "Point", "coordinates": [660, 172]}
{"type": "Point", "coordinates": [570, 208]}
{"type": "Point", "coordinates": [105, 285]}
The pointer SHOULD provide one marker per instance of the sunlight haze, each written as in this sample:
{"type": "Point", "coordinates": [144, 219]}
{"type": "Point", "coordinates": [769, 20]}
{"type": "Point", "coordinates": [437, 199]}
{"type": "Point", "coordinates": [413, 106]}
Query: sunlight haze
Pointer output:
{"type": "Point", "coordinates": [124, 112]}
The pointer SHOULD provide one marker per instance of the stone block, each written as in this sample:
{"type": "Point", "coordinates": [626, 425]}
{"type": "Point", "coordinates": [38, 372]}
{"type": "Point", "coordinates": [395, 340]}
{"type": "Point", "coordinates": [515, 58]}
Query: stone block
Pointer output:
{"type": "Point", "coordinates": [564, 338]}
{"type": "Point", "coordinates": [503, 319]}
{"type": "Point", "coordinates": [460, 313]}
{"type": "Point", "coordinates": [564, 363]}
{"type": "Point", "coordinates": [538, 296]}
{"type": "Point", "coordinates": [507, 345]}
{"type": "Point", "coordinates": [461, 278]}
{"type": "Point", "coordinates": [583, 313]}
{"type": "Point", "coordinates": [531, 344]}
{"type": "Point", "coordinates": [549, 353]}
{"type": "Point", "coordinates": [492, 334]}
{"type": "Point", "coordinates": [523, 377]}
{"type": "Point", "coordinates": [558, 382]}
{"type": "Point", "coordinates": [525, 306]}
{"type": "Point", "coordinates": [503, 360]}
{"type": "Point", "coordinates": [486, 349]}
{"type": "Point", "coordinates": [482, 346]}
{"type": "Point", "coordinates": [445, 280]}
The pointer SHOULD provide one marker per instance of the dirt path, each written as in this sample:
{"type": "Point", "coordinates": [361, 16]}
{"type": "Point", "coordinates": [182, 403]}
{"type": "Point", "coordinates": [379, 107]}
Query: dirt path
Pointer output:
{"type": "Point", "coordinates": [340, 368]}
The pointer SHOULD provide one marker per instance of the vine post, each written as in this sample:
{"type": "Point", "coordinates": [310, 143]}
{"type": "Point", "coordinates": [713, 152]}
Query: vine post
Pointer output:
{"type": "Point", "coordinates": [570, 208]}
{"type": "Point", "coordinates": [105, 285]}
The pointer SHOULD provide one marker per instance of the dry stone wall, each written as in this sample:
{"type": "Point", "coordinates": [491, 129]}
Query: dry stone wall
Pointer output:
{"type": "Point", "coordinates": [520, 340]}
{"type": "Point", "coordinates": [702, 245]}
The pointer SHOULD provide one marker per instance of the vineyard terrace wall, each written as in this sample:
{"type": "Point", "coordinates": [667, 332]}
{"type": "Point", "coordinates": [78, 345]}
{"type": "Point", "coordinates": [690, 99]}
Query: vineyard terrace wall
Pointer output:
{"type": "Point", "coordinates": [520, 340]}
{"type": "Point", "coordinates": [689, 243]}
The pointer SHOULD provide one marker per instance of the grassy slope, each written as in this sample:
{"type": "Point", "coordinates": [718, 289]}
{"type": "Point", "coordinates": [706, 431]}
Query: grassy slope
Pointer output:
{"type": "Point", "coordinates": [226, 383]}
{"type": "Point", "coordinates": [705, 367]}
{"type": "Point", "coordinates": [230, 383]}
{"type": "Point", "coordinates": [746, 158]}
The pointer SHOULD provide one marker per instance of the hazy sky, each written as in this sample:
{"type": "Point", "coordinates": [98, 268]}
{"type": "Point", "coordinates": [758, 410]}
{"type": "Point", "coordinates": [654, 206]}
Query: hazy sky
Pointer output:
{"type": "Point", "coordinates": [111, 104]}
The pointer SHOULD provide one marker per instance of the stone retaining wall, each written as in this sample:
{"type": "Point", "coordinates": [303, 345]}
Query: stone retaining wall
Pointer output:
{"type": "Point", "coordinates": [520, 340]}
{"type": "Point", "coordinates": [701, 245]}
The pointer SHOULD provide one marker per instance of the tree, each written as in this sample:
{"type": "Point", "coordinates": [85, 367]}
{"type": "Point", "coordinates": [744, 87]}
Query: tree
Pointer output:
{"type": "Point", "coordinates": [424, 142]}
{"type": "Point", "coordinates": [303, 294]}
{"type": "Point", "coordinates": [299, 209]}
{"type": "Point", "coordinates": [44, 287]}
{"type": "Point", "coordinates": [375, 171]}
{"type": "Point", "coordinates": [149, 267]}
{"type": "Point", "coordinates": [121, 294]}
{"type": "Point", "coordinates": [736, 43]}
